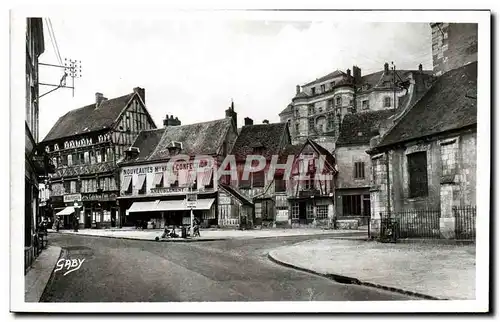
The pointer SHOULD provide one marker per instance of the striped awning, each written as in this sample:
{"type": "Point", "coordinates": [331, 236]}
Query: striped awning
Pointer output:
{"type": "Point", "coordinates": [66, 211]}
{"type": "Point", "coordinates": [169, 205]}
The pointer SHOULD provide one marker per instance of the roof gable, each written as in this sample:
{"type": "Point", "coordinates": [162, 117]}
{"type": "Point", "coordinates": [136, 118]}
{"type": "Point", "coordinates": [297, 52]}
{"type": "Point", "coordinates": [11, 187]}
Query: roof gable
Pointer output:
{"type": "Point", "coordinates": [449, 104]}
{"type": "Point", "coordinates": [267, 137]}
{"type": "Point", "coordinates": [203, 138]}
{"type": "Point", "coordinates": [359, 128]}
{"type": "Point", "coordinates": [89, 118]}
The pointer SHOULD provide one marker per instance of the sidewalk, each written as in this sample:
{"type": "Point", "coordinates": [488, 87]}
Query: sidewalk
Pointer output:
{"type": "Point", "coordinates": [38, 276]}
{"type": "Point", "coordinates": [207, 235]}
{"type": "Point", "coordinates": [439, 271]}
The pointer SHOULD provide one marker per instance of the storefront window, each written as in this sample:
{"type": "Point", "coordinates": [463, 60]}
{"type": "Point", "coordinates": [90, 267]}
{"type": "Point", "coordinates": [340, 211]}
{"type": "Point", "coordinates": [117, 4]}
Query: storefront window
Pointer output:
{"type": "Point", "coordinates": [322, 212]}
{"type": "Point", "coordinates": [295, 210]}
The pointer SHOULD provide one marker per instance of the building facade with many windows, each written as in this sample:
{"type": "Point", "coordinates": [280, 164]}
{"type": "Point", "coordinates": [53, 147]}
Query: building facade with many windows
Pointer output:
{"type": "Point", "coordinates": [164, 165]}
{"type": "Point", "coordinates": [85, 145]}
{"type": "Point", "coordinates": [37, 165]}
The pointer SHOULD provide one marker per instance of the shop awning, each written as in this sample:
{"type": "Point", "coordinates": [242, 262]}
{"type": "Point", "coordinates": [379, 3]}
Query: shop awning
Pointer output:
{"type": "Point", "coordinates": [143, 206]}
{"type": "Point", "coordinates": [169, 205]}
{"type": "Point", "coordinates": [126, 183]}
{"type": "Point", "coordinates": [66, 211]}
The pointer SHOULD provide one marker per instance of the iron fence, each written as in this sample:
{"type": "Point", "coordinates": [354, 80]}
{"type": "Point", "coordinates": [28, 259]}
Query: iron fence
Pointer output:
{"type": "Point", "coordinates": [413, 223]}
{"type": "Point", "coordinates": [465, 222]}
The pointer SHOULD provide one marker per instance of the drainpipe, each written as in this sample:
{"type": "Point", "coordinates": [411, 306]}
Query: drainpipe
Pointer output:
{"type": "Point", "coordinates": [388, 184]}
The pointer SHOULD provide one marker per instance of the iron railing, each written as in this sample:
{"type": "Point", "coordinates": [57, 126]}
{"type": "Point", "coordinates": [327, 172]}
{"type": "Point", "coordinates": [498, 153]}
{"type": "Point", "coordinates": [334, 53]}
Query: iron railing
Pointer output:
{"type": "Point", "coordinates": [414, 223]}
{"type": "Point", "coordinates": [465, 222]}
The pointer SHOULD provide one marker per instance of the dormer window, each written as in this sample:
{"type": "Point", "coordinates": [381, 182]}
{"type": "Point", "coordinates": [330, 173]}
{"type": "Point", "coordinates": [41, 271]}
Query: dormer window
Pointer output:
{"type": "Point", "coordinates": [174, 148]}
{"type": "Point", "coordinates": [313, 90]}
{"type": "Point", "coordinates": [322, 88]}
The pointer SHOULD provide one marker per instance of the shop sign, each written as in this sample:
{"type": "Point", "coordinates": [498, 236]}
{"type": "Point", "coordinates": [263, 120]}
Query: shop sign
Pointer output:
{"type": "Point", "coordinates": [282, 215]}
{"type": "Point", "coordinates": [179, 165]}
{"type": "Point", "coordinates": [73, 197]}
{"type": "Point", "coordinates": [104, 196]}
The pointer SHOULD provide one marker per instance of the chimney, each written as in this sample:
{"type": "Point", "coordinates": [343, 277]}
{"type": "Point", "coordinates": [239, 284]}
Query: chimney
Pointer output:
{"type": "Point", "coordinates": [265, 122]}
{"type": "Point", "coordinates": [348, 72]}
{"type": "Point", "coordinates": [141, 93]}
{"type": "Point", "coordinates": [230, 113]}
{"type": "Point", "coordinates": [99, 98]}
{"type": "Point", "coordinates": [248, 121]}
{"type": "Point", "coordinates": [297, 89]}
{"type": "Point", "coordinates": [420, 67]}
{"type": "Point", "coordinates": [170, 121]}
{"type": "Point", "coordinates": [386, 68]}
{"type": "Point", "coordinates": [356, 73]}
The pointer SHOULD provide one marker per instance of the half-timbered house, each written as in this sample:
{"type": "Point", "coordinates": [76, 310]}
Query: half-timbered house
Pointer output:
{"type": "Point", "coordinates": [266, 140]}
{"type": "Point", "coordinates": [310, 189]}
{"type": "Point", "coordinates": [84, 145]}
{"type": "Point", "coordinates": [154, 186]}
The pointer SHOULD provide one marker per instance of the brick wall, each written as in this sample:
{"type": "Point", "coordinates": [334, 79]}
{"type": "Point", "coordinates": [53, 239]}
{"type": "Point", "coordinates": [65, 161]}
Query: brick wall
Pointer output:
{"type": "Point", "coordinates": [453, 45]}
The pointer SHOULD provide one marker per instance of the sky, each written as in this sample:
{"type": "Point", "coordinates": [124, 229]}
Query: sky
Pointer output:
{"type": "Point", "coordinates": [193, 68]}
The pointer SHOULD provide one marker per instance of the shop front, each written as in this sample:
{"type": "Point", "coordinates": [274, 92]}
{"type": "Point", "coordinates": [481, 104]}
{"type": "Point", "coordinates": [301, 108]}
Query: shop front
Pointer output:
{"type": "Point", "coordinates": [156, 212]}
{"type": "Point", "coordinates": [100, 210]}
{"type": "Point", "coordinates": [65, 208]}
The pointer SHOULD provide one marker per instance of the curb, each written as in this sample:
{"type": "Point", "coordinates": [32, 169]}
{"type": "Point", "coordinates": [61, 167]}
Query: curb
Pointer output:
{"type": "Point", "coordinates": [209, 239]}
{"type": "Point", "coordinates": [61, 251]}
{"type": "Point", "coordinates": [351, 280]}
{"type": "Point", "coordinates": [142, 239]}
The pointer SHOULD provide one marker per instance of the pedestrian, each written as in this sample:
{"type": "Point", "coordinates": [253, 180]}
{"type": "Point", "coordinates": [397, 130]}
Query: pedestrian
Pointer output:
{"type": "Point", "coordinates": [196, 228]}
{"type": "Point", "coordinates": [56, 223]}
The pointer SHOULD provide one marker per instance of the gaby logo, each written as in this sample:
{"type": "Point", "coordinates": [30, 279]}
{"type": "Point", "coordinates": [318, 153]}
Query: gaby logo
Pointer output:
{"type": "Point", "coordinates": [70, 265]}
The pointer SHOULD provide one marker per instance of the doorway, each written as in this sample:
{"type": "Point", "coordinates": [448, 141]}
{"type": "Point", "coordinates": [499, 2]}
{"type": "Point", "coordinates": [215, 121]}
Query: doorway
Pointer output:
{"type": "Point", "coordinates": [302, 213]}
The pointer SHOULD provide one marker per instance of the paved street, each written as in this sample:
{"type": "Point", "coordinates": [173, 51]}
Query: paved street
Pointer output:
{"type": "Point", "coordinates": [117, 270]}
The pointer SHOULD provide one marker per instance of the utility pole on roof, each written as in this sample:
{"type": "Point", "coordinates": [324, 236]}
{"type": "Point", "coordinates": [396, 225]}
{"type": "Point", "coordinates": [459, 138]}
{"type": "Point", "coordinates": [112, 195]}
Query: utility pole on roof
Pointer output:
{"type": "Point", "coordinates": [394, 82]}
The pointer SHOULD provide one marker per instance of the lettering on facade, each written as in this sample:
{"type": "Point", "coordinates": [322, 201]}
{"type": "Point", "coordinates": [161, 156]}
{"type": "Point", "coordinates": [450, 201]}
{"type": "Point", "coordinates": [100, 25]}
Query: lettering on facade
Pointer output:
{"type": "Point", "coordinates": [163, 168]}
{"type": "Point", "coordinates": [72, 197]}
{"type": "Point", "coordinates": [99, 197]}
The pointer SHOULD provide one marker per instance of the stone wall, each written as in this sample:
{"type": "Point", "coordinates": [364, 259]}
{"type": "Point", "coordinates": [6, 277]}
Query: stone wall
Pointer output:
{"type": "Point", "coordinates": [451, 175]}
{"type": "Point", "coordinates": [453, 45]}
{"type": "Point", "coordinates": [346, 157]}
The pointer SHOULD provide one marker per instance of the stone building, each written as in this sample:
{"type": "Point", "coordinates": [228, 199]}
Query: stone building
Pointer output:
{"type": "Point", "coordinates": [84, 145]}
{"type": "Point", "coordinates": [453, 45]}
{"type": "Point", "coordinates": [163, 166]}
{"type": "Point", "coordinates": [267, 194]}
{"type": "Point", "coordinates": [354, 164]}
{"type": "Point", "coordinates": [428, 159]}
{"type": "Point", "coordinates": [318, 108]}
{"type": "Point", "coordinates": [37, 165]}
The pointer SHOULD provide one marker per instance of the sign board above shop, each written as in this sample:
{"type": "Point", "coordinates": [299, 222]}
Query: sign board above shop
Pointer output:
{"type": "Point", "coordinates": [72, 197]}
{"type": "Point", "coordinates": [103, 196]}
{"type": "Point", "coordinates": [179, 165]}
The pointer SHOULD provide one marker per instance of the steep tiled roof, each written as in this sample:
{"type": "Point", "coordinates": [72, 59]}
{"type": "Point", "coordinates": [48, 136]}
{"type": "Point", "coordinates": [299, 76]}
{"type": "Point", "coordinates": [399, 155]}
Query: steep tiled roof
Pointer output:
{"type": "Point", "coordinates": [377, 79]}
{"type": "Point", "coordinates": [328, 156]}
{"type": "Point", "coordinates": [287, 109]}
{"type": "Point", "coordinates": [203, 138]}
{"type": "Point", "coordinates": [88, 118]}
{"type": "Point", "coordinates": [200, 138]}
{"type": "Point", "coordinates": [290, 149]}
{"type": "Point", "coordinates": [359, 128]}
{"type": "Point", "coordinates": [147, 141]}
{"type": "Point", "coordinates": [237, 194]}
{"type": "Point", "coordinates": [446, 106]}
{"type": "Point", "coordinates": [266, 136]}
{"type": "Point", "coordinates": [327, 76]}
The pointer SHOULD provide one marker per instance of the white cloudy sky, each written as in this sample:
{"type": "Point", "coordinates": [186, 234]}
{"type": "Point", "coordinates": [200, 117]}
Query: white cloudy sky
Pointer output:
{"type": "Point", "coordinates": [193, 68]}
